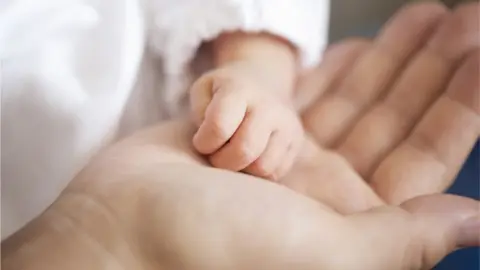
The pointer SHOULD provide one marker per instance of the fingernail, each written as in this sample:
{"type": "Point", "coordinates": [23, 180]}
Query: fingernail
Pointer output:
{"type": "Point", "coordinates": [469, 234]}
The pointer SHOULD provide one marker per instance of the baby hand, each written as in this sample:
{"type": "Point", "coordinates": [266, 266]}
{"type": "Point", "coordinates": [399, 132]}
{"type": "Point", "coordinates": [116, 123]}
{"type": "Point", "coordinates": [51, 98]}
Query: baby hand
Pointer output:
{"type": "Point", "coordinates": [243, 125]}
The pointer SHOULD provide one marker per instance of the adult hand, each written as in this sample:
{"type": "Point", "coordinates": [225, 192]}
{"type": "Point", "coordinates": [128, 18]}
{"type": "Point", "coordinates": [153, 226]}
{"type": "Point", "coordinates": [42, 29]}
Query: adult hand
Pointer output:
{"type": "Point", "coordinates": [151, 203]}
{"type": "Point", "coordinates": [397, 116]}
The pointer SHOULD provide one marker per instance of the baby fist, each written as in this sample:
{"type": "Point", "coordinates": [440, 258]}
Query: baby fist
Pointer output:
{"type": "Point", "coordinates": [243, 125]}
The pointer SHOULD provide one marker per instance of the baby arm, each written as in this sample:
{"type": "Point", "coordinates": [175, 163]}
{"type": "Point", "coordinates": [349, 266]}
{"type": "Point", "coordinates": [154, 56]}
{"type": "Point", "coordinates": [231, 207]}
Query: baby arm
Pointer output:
{"type": "Point", "coordinates": [243, 106]}
{"type": "Point", "coordinates": [244, 101]}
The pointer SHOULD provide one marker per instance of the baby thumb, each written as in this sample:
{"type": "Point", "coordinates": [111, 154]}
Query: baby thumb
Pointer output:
{"type": "Point", "coordinates": [417, 234]}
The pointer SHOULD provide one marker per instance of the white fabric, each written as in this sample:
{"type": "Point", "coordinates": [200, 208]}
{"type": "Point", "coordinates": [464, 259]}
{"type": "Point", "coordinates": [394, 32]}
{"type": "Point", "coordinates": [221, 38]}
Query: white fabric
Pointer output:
{"type": "Point", "coordinates": [76, 76]}
{"type": "Point", "coordinates": [177, 28]}
{"type": "Point", "coordinates": [68, 67]}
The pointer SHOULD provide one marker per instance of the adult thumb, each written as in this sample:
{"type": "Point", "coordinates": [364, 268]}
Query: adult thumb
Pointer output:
{"type": "Point", "coordinates": [416, 234]}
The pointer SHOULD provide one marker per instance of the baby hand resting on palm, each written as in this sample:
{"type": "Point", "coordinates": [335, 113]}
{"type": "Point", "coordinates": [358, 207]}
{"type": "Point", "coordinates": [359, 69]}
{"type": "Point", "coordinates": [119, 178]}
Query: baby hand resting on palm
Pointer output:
{"type": "Point", "coordinates": [243, 107]}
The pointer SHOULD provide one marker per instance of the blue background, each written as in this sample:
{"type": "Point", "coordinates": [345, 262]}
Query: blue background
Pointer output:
{"type": "Point", "coordinates": [467, 184]}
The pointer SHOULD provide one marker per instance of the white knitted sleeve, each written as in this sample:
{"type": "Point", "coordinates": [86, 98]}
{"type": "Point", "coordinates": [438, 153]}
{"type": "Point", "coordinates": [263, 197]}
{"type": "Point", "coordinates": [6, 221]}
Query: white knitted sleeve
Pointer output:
{"type": "Point", "coordinates": [178, 28]}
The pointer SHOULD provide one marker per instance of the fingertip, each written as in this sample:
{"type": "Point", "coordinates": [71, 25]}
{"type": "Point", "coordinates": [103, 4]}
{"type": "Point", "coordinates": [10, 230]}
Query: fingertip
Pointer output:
{"type": "Point", "coordinates": [457, 34]}
{"type": "Point", "coordinates": [469, 232]}
{"type": "Point", "coordinates": [459, 215]}
{"type": "Point", "coordinates": [410, 27]}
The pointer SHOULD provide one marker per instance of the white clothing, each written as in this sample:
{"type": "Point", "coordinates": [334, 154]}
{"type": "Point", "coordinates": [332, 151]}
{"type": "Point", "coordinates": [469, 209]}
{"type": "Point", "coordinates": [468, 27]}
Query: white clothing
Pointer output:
{"type": "Point", "coordinates": [76, 76]}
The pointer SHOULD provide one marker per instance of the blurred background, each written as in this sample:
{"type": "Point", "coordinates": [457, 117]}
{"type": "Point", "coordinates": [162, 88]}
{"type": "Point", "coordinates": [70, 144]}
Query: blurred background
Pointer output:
{"type": "Point", "coordinates": [364, 18]}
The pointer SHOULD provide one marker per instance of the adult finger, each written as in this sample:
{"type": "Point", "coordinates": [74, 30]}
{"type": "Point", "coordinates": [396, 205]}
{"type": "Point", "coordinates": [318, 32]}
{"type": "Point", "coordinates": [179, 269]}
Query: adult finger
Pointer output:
{"type": "Point", "coordinates": [328, 178]}
{"type": "Point", "coordinates": [423, 81]}
{"type": "Point", "coordinates": [375, 71]}
{"type": "Point", "coordinates": [428, 160]}
{"type": "Point", "coordinates": [416, 235]}
{"type": "Point", "coordinates": [337, 61]}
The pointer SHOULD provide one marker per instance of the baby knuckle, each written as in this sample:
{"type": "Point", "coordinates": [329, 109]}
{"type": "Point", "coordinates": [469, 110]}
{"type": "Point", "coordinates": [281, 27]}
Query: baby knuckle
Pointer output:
{"type": "Point", "coordinates": [248, 152]}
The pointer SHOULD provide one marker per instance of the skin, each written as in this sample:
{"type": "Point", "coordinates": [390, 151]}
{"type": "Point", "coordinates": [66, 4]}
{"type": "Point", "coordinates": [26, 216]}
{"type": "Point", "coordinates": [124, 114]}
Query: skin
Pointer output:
{"type": "Point", "coordinates": [243, 108]}
{"type": "Point", "coordinates": [151, 202]}
{"type": "Point", "coordinates": [396, 123]}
